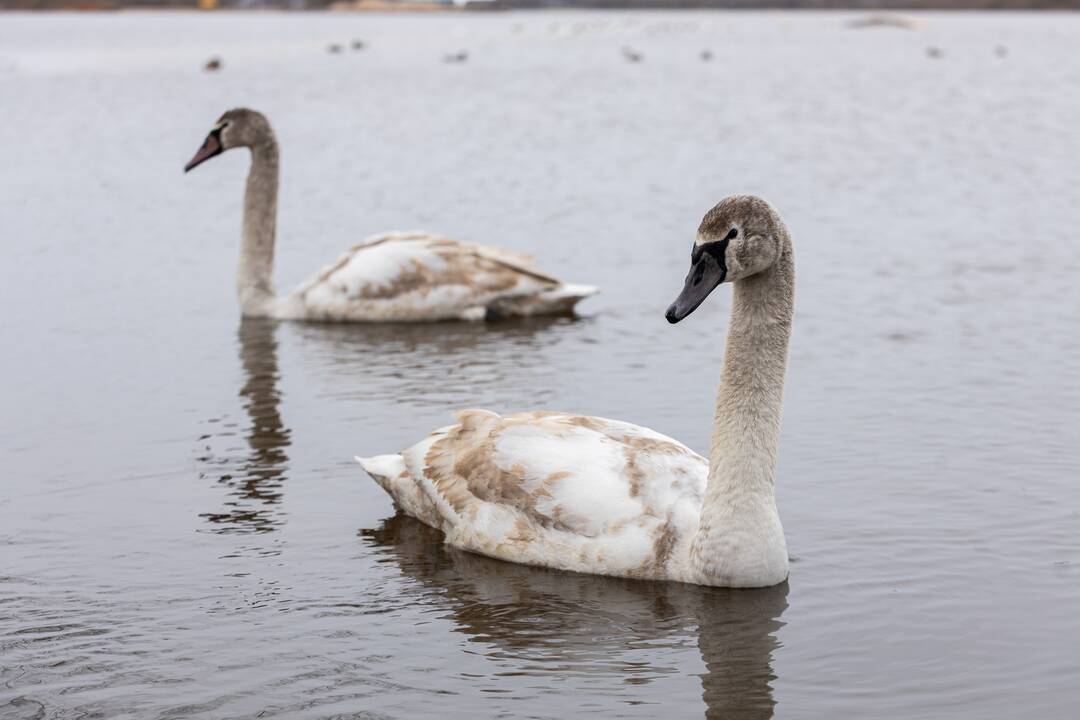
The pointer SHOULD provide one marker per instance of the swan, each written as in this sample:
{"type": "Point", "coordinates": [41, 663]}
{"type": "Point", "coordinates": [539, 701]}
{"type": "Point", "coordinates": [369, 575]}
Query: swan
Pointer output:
{"type": "Point", "coordinates": [599, 496]}
{"type": "Point", "coordinates": [404, 277]}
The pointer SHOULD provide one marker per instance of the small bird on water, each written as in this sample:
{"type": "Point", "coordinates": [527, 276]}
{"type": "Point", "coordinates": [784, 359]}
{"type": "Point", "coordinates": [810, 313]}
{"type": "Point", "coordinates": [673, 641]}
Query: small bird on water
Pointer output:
{"type": "Point", "coordinates": [334, 48]}
{"type": "Point", "coordinates": [706, 55]}
{"type": "Point", "coordinates": [213, 64]}
{"type": "Point", "coordinates": [459, 57]}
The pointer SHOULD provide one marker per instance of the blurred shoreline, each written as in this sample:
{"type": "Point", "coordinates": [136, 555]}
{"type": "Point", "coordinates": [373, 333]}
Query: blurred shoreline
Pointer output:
{"type": "Point", "coordinates": [495, 5]}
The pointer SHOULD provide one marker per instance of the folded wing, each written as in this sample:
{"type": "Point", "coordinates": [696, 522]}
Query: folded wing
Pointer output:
{"type": "Point", "coordinates": [416, 276]}
{"type": "Point", "coordinates": [569, 491]}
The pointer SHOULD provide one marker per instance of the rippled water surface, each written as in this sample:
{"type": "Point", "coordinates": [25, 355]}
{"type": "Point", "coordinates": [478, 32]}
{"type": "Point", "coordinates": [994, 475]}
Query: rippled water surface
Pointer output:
{"type": "Point", "coordinates": [183, 531]}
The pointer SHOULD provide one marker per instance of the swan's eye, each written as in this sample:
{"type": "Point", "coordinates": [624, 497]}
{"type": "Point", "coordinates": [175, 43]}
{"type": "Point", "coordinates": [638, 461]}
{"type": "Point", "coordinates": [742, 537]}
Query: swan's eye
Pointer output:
{"type": "Point", "coordinates": [732, 234]}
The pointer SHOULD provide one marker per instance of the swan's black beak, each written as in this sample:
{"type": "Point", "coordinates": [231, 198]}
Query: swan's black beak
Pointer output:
{"type": "Point", "coordinates": [707, 270]}
{"type": "Point", "coordinates": [211, 146]}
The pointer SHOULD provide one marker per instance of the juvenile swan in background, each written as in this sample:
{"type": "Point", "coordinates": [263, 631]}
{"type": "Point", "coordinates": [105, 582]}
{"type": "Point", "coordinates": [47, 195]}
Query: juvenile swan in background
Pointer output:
{"type": "Point", "coordinates": [600, 496]}
{"type": "Point", "coordinates": [394, 277]}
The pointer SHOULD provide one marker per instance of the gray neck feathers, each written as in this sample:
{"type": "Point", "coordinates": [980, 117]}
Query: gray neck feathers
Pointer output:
{"type": "Point", "coordinates": [254, 278]}
{"type": "Point", "coordinates": [746, 425]}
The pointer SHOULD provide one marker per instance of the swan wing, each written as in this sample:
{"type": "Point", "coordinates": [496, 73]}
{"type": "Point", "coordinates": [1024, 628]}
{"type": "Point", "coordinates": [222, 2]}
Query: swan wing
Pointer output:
{"type": "Point", "coordinates": [560, 490]}
{"type": "Point", "coordinates": [417, 276]}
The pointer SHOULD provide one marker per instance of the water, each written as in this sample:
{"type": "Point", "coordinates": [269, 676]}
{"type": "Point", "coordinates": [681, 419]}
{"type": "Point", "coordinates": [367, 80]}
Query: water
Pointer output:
{"type": "Point", "coordinates": [184, 532]}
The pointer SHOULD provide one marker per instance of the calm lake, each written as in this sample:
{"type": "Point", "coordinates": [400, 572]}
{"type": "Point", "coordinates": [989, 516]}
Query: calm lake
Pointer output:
{"type": "Point", "coordinates": [184, 532]}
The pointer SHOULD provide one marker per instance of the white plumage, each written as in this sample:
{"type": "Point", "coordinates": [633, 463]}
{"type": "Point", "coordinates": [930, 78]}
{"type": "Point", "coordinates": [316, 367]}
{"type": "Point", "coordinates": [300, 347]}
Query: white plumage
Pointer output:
{"type": "Point", "coordinates": [569, 491]}
{"type": "Point", "coordinates": [600, 496]}
{"type": "Point", "coordinates": [418, 276]}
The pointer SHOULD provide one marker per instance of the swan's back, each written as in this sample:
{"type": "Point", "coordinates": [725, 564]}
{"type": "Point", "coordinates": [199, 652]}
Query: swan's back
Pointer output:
{"type": "Point", "coordinates": [568, 491]}
{"type": "Point", "coordinates": [417, 276]}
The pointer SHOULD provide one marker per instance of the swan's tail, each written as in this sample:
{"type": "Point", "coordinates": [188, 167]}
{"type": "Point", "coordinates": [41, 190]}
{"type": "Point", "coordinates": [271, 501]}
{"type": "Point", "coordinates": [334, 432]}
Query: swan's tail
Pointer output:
{"type": "Point", "coordinates": [563, 298]}
{"type": "Point", "coordinates": [576, 292]}
{"type": "Point", "coordinates": [392, 475]}
{"type": "Point", "coordinates": [383, 469]}
{"type": "Point", "coordinates": [558, 300]}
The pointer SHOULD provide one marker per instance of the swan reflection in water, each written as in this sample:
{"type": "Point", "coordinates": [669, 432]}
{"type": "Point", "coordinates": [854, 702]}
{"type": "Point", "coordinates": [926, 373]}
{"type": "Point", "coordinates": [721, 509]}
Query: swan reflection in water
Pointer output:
{"type": "Point", "coordinates": [384, 364]}
{"type": "Point", "coordinates": [451, 365]}
{"type": "Point", "coordinates": [568, 622]}
{"type": "Point", "coordinates": [586, 622]}
{"type": "Point", "coordinates": [254, 474]}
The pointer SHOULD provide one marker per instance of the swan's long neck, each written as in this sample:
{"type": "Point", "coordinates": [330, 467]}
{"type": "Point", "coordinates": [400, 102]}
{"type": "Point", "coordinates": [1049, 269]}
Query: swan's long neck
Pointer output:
{"type": "Point", "coordinates": [254, 277]}
{"type": "Point", "coordinates": [739, 540]}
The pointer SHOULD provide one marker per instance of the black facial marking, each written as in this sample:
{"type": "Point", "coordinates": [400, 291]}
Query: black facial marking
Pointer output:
{"type": "Point", "coordinates": [718, 250]}
{"type": "Point", "coordinates": [708, 268]}
{"type": "Point", "coordinates": [210, 147]}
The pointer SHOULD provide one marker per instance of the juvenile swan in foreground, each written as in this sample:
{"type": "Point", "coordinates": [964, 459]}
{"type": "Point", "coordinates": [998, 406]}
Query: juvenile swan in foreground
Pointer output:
{"type": "Point", "coordinates": [606, 497]}
{"type": "Point", "coordinates": [394, 277]}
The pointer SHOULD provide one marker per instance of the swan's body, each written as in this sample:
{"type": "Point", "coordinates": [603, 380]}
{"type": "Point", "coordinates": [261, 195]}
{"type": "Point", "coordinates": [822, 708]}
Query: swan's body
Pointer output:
{"type": "Point", "coordinates": [599, 496]}
{"type": "Point", "coordinates": [402, 277]}
{"type": "Point", "coordinates": [415, 276]}
{"type": "Point", "coordinates": [569, 491]}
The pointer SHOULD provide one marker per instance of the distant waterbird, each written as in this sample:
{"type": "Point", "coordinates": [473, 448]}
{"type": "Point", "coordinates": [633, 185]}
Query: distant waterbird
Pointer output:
{"type": "Point", "coordinates": [357, 45]}
{"type": "Point", "coordinates": [632, 55]}
{"type": "Point", "coordinates": [396, 277]}
{"type": "Point", "coordinates": [935, 52]}
{"type": "Point", "coordinates": [706, 56]}
{"type": "Point", "coordinates": [334, 48]}
{"type": "Point", "coordinates": [456, 57]}
{"type": "Point", "coordinates": [884, 20]}
{"type": "Point", "coordinates": [213, 64]}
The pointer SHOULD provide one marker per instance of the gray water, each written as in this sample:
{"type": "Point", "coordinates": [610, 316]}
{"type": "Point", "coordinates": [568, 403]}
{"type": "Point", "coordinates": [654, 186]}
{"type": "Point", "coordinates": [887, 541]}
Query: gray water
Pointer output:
{"type": "Point", "coordinates": [183, 532]}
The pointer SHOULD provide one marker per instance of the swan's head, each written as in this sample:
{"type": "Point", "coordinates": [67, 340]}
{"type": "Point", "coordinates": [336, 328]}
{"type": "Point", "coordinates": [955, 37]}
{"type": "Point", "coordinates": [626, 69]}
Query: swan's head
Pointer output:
{"type": "Point", "coordinates": [741, 236]}
{"type": "Point", "coordinates": [236, 128]}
